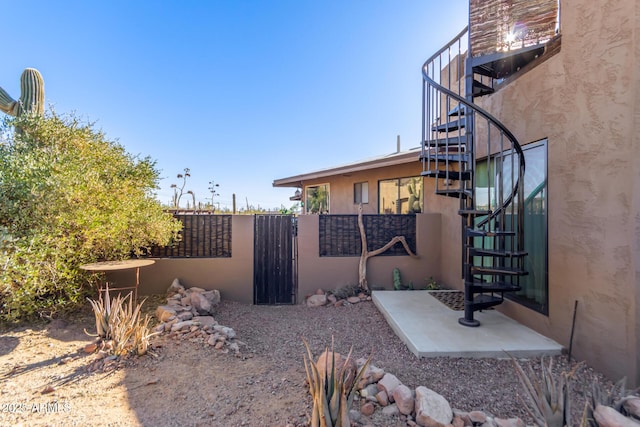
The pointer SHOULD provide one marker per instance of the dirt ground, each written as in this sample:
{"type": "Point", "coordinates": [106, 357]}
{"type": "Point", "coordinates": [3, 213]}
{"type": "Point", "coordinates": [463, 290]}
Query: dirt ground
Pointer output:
{"type": "Point", "coordinates": [46, 378]}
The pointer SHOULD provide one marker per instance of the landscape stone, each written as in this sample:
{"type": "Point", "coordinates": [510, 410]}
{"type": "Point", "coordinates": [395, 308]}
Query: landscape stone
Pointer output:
{"type": "Point", "coordinates": [195, 289]}
{"type": "Point", "coordinates": [382, 398]}
{"type": "Point", "coordinates": [205, 321]}
{"type": "Point", "coordinates": [367, 409]}
{"type": "Point", "coordinates": [375, 373]}
{"type": "Point", "coordinates": [477, 417]}
{"type": "Point", "coordinates": [354, 415]}
{"type": "Point", "coordinates": [317, 300]}
{"type": "Point", "coordinates": [185, 315]}
{"type": "Point", "coordinates": [606, 416]}
{"type": "Point", "coordinates": [180, 326]}
{"type": "Point", "coordinates": [213, 296]}
{"type": "Point", "coordinates": [331, 299]}
{"type": "Point", "coordinates": [457, 421]}
{"type": "Point", "coordinates": [369, 390]}
{"type": "Point", "coordinates": [175, 287]}
{"type": "Point", "coordinates": [510, 422]}
{"type": "Point", "coordinates": [353, 300]}
{"type": "Point", "coordinates": [388, 383]}
{"type": "Point", "coordinates": [229, 332]}
{"type": "Point", "coordinates": [391, 410]}
{"type": "Point", "coordinates": [632, 406]}
{"type": "Point", "coordinates": [432, 410]}
{"type": "Point", "coordinates": [404, 399]}
{"type": "Point", "coordinates": [319, 291]}
{"type": "Point", "coordinates": [201, 303]}
{"type": "Point", "coordinates": [163, 312]}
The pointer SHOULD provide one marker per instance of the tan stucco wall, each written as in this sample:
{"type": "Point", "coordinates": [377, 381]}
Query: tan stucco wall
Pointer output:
{"type": "Point", "coordinates": [341, 186]}
{"type": "Point", "coordinates": [333, 272]}
{"type": "Point", "coordinates": [585, 101]}
{"type": "Point", "coordinates": [233, 277]}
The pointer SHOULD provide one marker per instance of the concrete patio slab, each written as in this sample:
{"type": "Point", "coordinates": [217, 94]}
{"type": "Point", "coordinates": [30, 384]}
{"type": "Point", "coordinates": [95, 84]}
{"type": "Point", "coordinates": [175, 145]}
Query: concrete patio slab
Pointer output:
{"type": "Point", "coordinates": [430, 329]}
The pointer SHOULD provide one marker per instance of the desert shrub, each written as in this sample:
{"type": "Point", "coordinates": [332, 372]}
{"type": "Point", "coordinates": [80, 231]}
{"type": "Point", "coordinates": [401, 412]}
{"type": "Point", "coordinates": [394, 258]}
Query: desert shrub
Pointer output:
{"type": "Point", "coordinates": [69, 197]}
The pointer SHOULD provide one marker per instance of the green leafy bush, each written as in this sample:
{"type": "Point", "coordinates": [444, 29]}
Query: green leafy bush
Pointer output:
{"type": "Point", "coordinates": [69, 197]}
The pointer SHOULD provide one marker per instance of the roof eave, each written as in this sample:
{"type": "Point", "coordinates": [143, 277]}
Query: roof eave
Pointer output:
{"type": "Point", "coordinates": [391, 160]}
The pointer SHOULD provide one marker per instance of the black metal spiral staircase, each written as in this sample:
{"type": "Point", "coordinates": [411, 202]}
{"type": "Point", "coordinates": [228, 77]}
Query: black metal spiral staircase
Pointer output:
{"type": "Point", "coordinates": [456, 134]}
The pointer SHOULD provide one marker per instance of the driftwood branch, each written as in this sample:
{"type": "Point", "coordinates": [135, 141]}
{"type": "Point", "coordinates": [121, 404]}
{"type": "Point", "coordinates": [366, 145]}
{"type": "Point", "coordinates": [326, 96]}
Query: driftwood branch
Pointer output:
{"type": "Point", "coordinates": [362, 267]}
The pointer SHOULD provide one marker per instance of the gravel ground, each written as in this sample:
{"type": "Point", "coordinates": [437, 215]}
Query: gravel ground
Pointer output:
{"type": "Point", "coordinates": [489, 385]}
{"type": "Point", "coordinates": [190, 384]}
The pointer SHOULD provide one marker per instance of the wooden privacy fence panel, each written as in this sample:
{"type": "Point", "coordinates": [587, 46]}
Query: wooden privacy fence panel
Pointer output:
{"type": "Point", "coordinates": [501, 25]}
{"type": "Point", "coordinates": [202, 236]}
{"type": "Point", "coordinates": [275, 259]}
{"type": "Point", "coordinates": [339, 235]}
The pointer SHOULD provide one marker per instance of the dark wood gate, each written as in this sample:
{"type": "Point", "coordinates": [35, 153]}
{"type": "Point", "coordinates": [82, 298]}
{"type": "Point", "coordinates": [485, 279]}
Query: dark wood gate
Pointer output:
{"type": "Point", "coordinates": [275, 275]}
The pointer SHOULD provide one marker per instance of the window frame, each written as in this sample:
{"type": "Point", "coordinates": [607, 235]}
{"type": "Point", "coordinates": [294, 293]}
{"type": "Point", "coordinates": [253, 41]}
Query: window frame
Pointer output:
{"type": "Point", "coordinates": [540, 307]}
{"type": "Point", "coordinates": [306, 198]}
{"type": "Point", "coordinates": [398, 180]}
{"type": "Point", "coordinates": [361, 193]}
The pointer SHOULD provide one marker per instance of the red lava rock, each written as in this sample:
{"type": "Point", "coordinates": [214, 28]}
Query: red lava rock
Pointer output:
{"type": "Point", "coordinates": [90, 348]}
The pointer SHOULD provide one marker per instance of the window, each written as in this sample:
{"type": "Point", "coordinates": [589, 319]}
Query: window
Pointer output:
{"type": "Point", "coordinates": [400, 195]}
{"type": "Point", "coordinates": [534, 293]}
{"type": "Point", "coordinates": [316, 199]}
{"type": "Point", "coordinates": [361, 193]}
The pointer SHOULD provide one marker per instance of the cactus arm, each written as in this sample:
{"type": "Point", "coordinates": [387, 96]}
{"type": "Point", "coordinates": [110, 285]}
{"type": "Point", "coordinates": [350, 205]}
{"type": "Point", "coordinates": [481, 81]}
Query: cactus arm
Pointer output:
{"type": "Point", "coordinates": [32, 92]}
{"type": "Point", "coordinates": [7, 104]}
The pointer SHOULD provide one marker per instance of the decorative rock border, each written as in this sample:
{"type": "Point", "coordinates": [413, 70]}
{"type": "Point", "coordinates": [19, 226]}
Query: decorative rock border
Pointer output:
{"type": "Point", "coordinates": [380, 390]}
{"type": "Point", "coordinates": [322, 298]}
{"type": "Point", "coordinates": [188, 316]}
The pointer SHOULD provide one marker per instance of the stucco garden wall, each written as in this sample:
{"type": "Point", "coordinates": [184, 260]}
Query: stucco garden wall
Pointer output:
{"type": "Point", "coordinates": [233, 276]}
{"type": "Point", "coordinates": [333, 272]}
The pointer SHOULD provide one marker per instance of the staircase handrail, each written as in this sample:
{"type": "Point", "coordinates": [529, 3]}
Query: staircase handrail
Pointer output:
{"type": "Point", "coordinates": [514, 141]}
{"type": "Point", "coordinates": [445, 47]}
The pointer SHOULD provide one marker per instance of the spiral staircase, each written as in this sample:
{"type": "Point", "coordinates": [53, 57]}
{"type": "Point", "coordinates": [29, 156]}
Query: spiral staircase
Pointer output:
{"type": "Point", "coordinates": [456, 133]}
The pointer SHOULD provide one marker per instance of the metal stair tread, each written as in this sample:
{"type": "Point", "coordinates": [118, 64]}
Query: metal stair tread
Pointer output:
{"type": "Point", "coordinates": [480, 89]}
{"type": "Point", "coordinates": [477, 287]}
{"type": "Point", "coordinates": [446, 157]}
{"type": "Point", "coordinates": [497, 253]}
{"type": "Point", "coordinates": [458, 110]}
{"type": "Point", "coordinates": [455, 192]}
{"type": "Point", "coordinates": [474, 212]}
{"type": "Point", "coordinates": [443, 174]}
{"type": "Point", "coordinates": [450, 126]}
{"type": "Point", "coordinates": [458, 140]}
{"type": "Point", "coordinates": [472, 232]}
{"type": "Point", "coordinates": [498, 270]}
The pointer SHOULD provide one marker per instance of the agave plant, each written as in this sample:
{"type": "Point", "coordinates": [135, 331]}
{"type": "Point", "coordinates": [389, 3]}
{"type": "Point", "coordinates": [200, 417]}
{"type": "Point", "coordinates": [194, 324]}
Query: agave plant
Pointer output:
{"type": "Point", "coordinates": [141, 336]}
{"type": "Point", "coordinates": [102, 312]}
{"type": "Point", "coordinates": [331, 389]}
{"type": "Point", "coordinates": [119, 321]}
{"type": "Point", "coordinates": [550, 395]}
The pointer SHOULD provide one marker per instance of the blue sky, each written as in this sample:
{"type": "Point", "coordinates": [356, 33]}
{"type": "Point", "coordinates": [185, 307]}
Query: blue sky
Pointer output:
{"type": "Point", "coordinates": [241, 92]}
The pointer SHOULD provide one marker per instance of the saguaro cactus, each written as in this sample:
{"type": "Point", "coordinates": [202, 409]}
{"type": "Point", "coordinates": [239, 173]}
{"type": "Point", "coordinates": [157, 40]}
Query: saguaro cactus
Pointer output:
{"type": "Point", "coordinates": [31, 96]}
